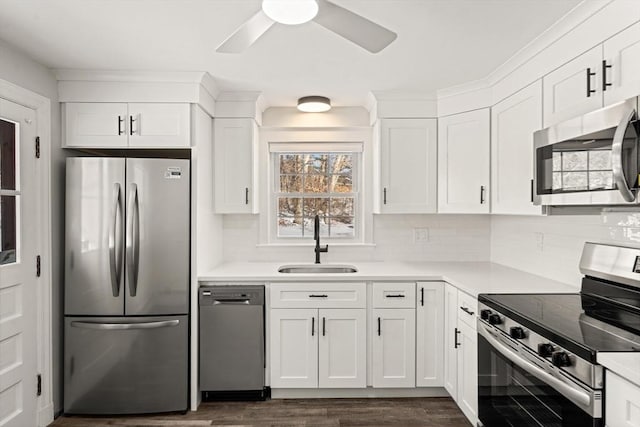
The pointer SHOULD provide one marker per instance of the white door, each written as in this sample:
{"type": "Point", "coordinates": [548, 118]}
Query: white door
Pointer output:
{"type": "Point", "coordinates": [294, 348]}
{"type": "Point", "coordinates": [408, 166]}
{"type": "Point", "coordinates": [622, 54]}
{"type": "Point", "coordinates": [463, 162]}
{"type": "Point", "coordinates": [394, 349]}
{"type": "Point", "coordinates": [573, 89]}
{"type": "Point", "coordinates": [342, 355]}
{"type": "Point", "coordinates": [96, 125]}
{"type": "Point", "coordinates": [451, 338]}
{"type": "Point", "coordinates": [19, 241]}
{"type": "Point", "coordinates": [159, 125]}
{"type": "Point", "coordinates": [468, 373]}
{"type": "Point", "coordinates": [235, 145]}
{"type": "Point", "coordinates": [429, 334]}
{"type": "Point", "coordinates": [513, 122]}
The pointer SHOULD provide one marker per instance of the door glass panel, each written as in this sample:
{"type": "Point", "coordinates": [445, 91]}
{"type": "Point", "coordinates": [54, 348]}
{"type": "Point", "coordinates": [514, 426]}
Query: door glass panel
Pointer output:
{"type": "Point", "coordinates": [9, 198]}
{"type": "Point", "coordinates": [7, 155]}
{"type": "Point", "coordinates": [8, 223]}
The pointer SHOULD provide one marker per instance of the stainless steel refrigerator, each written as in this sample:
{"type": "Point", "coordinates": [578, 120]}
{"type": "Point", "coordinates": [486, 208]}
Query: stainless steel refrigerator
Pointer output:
{"type": "Point", "coordinates": [126, 285]}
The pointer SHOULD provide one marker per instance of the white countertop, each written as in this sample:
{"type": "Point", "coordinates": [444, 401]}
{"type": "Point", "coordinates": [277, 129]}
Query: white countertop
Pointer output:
{"type": "Point", "coordinates": [627, 365]}
{"type": "Point", "coordinates": [471, 277]}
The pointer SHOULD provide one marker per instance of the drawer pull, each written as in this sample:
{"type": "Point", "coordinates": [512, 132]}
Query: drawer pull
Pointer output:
{"type": "Point", "coordinates": [394, 296]}
{"type": "Point", "coordinates": [318, 296]}
{"type": "Point", "coordinates": [466, 310]}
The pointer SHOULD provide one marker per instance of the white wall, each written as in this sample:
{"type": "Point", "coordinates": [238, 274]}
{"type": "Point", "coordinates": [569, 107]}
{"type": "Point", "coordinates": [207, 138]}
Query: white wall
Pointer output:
{"type": "Point", "coordinates": [21, 70]}
{"type": "Point", "coordinates": [551, 246]}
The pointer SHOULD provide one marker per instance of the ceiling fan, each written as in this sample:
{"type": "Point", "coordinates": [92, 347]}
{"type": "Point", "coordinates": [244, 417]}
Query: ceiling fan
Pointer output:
{"type": "Point", "coordinates": [353, 27]}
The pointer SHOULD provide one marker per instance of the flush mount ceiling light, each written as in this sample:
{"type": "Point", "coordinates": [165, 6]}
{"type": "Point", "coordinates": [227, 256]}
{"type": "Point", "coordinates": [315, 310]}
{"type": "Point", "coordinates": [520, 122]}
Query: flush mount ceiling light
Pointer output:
{"type": "Point", "coordinates": [290, 12]}
{"type": "Point", "coordinates": [314, 104]}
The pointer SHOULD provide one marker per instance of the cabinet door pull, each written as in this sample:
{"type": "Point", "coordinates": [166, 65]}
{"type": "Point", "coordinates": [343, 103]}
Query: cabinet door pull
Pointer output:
{"type": "Point", "coordinates": [313, 326]}
{"type": "Point", "coordinates": [531, 191]}
{"type": "Point", "coordinates": [246, 195]}
{"type": "Point", "coordinates": [482, 194]}
{"type": "Point", "coordinates": [384, 196]}
{"type": "Point", "coordinates": [456, 344]}
{"type": "Point", "coordinates": [379, 327]}
{"type": "Point", "coordinates": [120, 120]}
{"type": "Point", "coordinates": [466, 310]}
{"type": "Point", "coordinates": [324, 329]}
{"type": "Point", "coordinates": [604, 75]}
{"type": "Point", "coordinates": [318, 296]}
{"type": "Point", "coordinates": [422, 296]}
{"type": "Point", "coordinates": [394, 296]}
{"type": "Point", "coordinates": [131, 120]}
{"type": "Point", "coordinates": [589, 90]}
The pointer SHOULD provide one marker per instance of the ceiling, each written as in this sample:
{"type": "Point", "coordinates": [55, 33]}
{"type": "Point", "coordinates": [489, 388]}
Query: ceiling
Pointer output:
{"type": "Point", "coordinates": [441, 43]}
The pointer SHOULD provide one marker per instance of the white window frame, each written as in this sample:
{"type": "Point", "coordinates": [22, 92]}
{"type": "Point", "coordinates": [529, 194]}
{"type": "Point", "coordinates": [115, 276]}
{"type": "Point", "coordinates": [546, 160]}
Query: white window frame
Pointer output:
{"type": "Point", "coordinates": [303, 137]}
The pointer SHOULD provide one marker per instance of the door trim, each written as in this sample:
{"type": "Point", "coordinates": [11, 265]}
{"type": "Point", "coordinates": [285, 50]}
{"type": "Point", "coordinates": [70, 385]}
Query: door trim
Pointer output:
{"type": "Point", "coordinates": [42, 107]}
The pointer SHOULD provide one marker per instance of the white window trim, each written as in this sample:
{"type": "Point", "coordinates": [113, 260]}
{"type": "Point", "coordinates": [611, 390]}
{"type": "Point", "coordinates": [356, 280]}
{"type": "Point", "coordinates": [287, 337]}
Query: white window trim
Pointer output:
{"type": "Point", "coordinates": [283, 137]}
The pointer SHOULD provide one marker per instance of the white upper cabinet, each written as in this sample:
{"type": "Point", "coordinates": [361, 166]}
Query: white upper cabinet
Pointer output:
{"type": "Point", "coordinates": [121, 125]}
{"type": "Point", "coordinates": [235, 165]}
{"type": "Point", "coordinates": [159, 125]}
{"type": "Point", "coordinates": [95, 125]}
{"type": "Point", "coordinates": [463, 162]}
{"type": "Point", "coordinates": [430, 334]}
{"type": "Point", "coordinates": [573, 89]}
{"type": "Point", "coordinates": [407, 171]}
{"type": "Point", "coordinates": [513, 122]}
{"type": "Point", "coordinates": [621, 65]}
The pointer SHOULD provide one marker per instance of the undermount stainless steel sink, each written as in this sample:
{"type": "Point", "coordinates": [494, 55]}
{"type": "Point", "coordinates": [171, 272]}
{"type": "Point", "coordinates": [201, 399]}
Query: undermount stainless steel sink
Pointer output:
{"type": "Point", "coordinates": [317, 268]}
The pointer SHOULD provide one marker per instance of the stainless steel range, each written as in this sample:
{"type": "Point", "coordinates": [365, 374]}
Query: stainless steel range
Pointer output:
{"type": "Point", "coordinates": [537, 352]}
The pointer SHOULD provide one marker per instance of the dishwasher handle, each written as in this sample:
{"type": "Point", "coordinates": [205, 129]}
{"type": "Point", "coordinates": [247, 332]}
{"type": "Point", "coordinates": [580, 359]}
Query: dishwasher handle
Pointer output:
{"type": "Point", "coordinates": [244, 301]}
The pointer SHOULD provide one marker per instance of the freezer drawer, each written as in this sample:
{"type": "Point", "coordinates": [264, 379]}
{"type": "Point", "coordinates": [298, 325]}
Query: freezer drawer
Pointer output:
{"type": "Point", "coordinates": [232, 338]}
{"type": "Point", "coordinates": [117, 365]}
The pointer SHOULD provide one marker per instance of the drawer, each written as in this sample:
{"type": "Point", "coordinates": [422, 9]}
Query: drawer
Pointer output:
{"type": "Point", "coordinates": [467, 309]}
{"type": "Point", "coordinates": [318, 295]}
{"type": "Point", "coordinates": [622, 402]}
{"type": "Point", "coordinates": [394, 295]}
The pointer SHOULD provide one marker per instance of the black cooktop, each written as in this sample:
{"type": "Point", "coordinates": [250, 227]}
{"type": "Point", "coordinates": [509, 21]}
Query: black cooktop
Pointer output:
{"type": "Point", "coordinates": [584, 323]}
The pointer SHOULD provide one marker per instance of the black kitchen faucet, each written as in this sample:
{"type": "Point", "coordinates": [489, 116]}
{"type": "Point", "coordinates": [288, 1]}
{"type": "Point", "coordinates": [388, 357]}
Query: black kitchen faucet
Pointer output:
{"type": "Point", "coordinates": [316, 236]}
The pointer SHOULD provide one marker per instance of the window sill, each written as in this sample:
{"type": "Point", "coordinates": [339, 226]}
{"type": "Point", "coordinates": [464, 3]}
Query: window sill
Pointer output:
{"type": "Point", "coordinates": [310, 244]}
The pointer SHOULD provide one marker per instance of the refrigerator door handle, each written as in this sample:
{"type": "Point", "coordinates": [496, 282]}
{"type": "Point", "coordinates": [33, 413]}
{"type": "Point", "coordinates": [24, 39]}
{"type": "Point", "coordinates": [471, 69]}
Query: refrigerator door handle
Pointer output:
{"type": "Point", "coordinates": [125, 326]}
{"type": "Point", "coordinates": [115, 242]}
{"type": "Point", "coordinates": [133, 239]}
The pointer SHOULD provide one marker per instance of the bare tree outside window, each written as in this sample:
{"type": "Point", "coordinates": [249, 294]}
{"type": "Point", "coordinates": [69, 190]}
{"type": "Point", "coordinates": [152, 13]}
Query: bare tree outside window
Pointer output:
{"type": "Point", "coordinates": [311, 184]}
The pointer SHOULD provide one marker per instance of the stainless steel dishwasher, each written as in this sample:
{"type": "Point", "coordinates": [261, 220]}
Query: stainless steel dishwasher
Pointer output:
{"type": "Point", "coordinates": [232, 350]}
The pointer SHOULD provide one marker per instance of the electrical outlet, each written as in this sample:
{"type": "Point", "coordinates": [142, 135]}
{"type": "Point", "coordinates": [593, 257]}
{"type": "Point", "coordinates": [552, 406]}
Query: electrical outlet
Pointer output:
{"type": "Point", "coordinates": [420, 235]}
{"type": "Point", "coordinates": [539, 241]}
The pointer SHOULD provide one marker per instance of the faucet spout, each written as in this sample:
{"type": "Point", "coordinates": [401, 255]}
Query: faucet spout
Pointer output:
{"type": "Point", "coordinates": [316, 235]}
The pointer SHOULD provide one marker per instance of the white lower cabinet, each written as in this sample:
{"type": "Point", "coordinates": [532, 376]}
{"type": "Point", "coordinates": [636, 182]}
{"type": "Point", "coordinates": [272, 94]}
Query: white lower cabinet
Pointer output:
{"type": "Point", "coordinates": [430, 334]}
{"type": "Point", "coordinates": [394, 357]}
{"type": "Point", "coordinates": [622, 402]}
{"type": "Point", "coordinates": [468, 372]}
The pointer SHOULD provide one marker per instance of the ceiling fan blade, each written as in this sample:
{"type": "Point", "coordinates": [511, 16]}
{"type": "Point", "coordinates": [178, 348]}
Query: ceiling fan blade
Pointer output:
{"type": "Point", "coordinates": [353, 27]}
{"type": "Point", "coordinates": [247, 34]}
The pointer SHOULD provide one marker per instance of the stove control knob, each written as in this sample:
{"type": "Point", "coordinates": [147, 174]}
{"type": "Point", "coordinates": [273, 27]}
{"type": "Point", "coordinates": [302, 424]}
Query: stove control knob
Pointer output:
{"type": "Point", "coordinates": [484, 314]}
{"type": "Point", "coordinates": [495, 319]}
{"type": "Point", "coordinates": [517, 332]}
{"type": "Point", "coordinates": [545, 350]}
{"type": "Point", "coordinates": [560, 359]}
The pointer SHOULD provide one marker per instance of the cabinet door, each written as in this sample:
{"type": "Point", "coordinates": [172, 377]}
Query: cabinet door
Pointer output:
{"type": "Point", "coordinates": [451, 337]}
{"type": "Point", "coordinates": [468, 373]}
{"type": "Point", "coordinates": [394, 351]}
{"type": "Point", "coordinates": [95, 125]}
{"type": "Point", "coordinates": [429, 334]}
{"type": "Point", "coordinates": [513, 122]}
{"type": "Point", "coordinates": [159, 125]}
{"type": "Point", "coordinates": [463, 162]}
{"type": "Point", "coordinates": [408, 161]}
{"type": "Point", "coordinates": [566, 89]}
{"type": "Point", "coordinates": [235, 145]}
{"type": "Point", "coordinates": [294, 348]}
{"type": "Point", "coordinates": [622, 53]}
{"type": "Point", "coordinates": [622, 402]}
{"type": "Point", "coordinates": [342, 355]}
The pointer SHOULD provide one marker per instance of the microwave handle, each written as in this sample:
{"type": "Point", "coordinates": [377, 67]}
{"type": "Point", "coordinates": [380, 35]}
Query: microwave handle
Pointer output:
{"type": "Point", "coordinates": [616, 158]}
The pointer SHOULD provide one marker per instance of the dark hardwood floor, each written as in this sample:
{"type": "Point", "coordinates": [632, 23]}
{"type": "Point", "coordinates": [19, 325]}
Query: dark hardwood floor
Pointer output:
{"type": "Point", "coordinates": [431, 412]}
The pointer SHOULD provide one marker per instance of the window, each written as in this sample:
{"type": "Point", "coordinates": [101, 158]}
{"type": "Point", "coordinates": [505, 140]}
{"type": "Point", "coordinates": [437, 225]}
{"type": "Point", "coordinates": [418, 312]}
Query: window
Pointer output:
{"type": "Point", "coordinates": [319, 182]}
{"type": "Point", "coordinates": [9, 194]}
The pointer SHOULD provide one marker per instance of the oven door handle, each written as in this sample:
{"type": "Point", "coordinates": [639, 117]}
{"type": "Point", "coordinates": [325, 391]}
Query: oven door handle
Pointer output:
{"type": "Point", "coordinates": [617, 162]}
{"type": "Point", "coordinates": [573, 393]}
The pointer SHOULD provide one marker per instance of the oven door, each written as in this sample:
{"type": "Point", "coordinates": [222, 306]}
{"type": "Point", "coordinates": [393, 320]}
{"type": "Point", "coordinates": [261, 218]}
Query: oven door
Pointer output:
{"type": "Point", "coordinates": [589, 160]}
{"type": "Point", "coordinates": [515, 390]}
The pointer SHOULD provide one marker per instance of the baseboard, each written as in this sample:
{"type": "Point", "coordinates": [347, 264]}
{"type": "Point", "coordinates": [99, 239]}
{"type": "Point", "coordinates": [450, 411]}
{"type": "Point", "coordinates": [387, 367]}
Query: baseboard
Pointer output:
{"type": "Point", "coordinates": [328, 393]}
{"type": "Point", "coordinates": [45, 415]}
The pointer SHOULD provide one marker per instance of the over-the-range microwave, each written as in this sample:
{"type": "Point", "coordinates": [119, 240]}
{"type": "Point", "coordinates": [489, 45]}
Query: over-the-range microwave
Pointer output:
{"type": "Point", "coordinates": [589, 160]}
